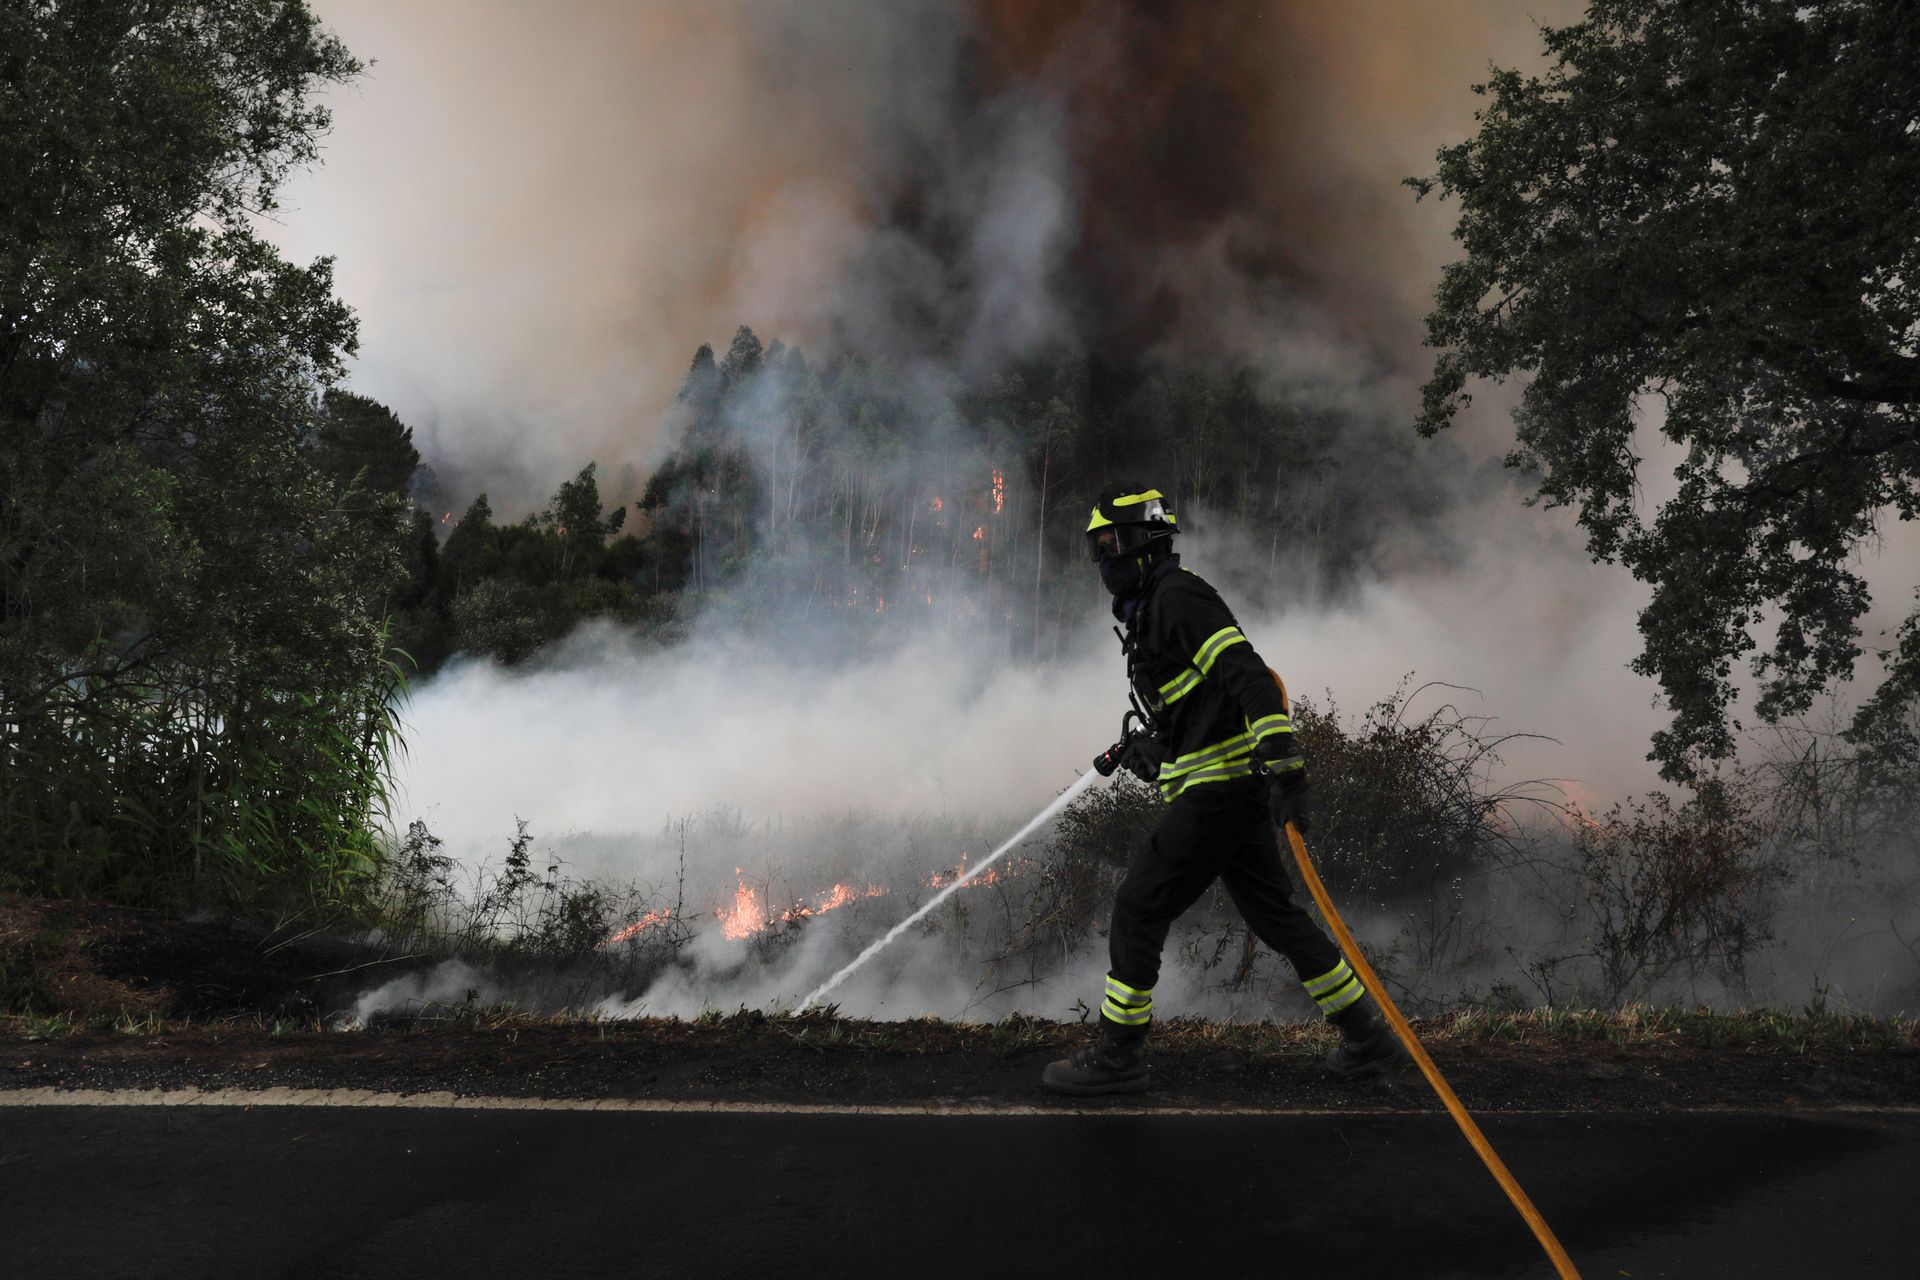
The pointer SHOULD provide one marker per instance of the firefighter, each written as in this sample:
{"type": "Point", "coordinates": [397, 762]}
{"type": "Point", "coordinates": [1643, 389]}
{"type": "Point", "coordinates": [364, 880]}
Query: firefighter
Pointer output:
{"type": "Point", "coordinates": [1218, 743]}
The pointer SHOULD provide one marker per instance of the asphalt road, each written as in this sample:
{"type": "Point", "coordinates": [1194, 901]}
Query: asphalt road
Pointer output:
{"type": "Point", "coordinates": [204, 1191]}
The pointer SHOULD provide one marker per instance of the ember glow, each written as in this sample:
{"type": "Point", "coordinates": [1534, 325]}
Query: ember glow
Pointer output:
{"type": "Point", "coordinates": [999, 490]}
{"type": "Point", "coordinates": [941, 879]}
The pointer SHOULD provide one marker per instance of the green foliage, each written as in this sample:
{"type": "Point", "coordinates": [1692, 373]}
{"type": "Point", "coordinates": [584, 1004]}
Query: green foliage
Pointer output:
{"type": "Point", "coordinates": [504, 591]}
{"type": "Point", "coordinates": [1712, 204]}
{"type": "Point", "coordinates": [193, 697]}
{"type": "Point", "coordinates": [363, 447]}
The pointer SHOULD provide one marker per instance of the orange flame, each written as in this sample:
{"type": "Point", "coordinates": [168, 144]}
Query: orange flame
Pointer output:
{"type": "Point", "coordinates": [939, 505]}
{"type": "Point", "coordinates": [640, 926]}
{"type": "Point", "coordinates": [999, 490]}
{"type": "Point", "coordinates": [980, 534]}
{"type": "Point", "coordinates": [747, 917]}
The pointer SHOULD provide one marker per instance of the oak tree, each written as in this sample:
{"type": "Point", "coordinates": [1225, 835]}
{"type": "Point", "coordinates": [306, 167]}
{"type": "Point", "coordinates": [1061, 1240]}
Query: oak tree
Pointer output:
{"type": "Point", "coordinates": [1701, 220]}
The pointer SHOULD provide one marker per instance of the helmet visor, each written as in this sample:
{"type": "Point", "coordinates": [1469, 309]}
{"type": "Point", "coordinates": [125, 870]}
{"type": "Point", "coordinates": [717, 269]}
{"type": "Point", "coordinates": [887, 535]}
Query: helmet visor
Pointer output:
{"type": "Point", "coordinates": [1113, 540]}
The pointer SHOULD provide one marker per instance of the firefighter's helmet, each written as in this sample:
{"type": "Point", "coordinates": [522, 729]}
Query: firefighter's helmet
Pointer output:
{"type": "Point", "coordinates": [1129, 518]}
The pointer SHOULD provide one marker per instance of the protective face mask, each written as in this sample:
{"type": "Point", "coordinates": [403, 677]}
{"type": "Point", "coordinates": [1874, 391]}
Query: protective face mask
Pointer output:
{"type": "Point", "coordinates": [1124, 575]}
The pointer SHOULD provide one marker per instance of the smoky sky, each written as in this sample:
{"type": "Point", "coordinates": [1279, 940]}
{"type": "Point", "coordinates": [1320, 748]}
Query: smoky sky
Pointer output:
{"type": "Point", "coordinates": [539, 210]}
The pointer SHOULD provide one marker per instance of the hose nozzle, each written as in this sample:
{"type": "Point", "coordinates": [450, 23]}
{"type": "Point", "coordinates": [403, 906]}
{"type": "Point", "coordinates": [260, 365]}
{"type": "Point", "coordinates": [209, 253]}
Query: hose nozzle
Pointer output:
{"type": "Point", "coordinates": [1131, 727]}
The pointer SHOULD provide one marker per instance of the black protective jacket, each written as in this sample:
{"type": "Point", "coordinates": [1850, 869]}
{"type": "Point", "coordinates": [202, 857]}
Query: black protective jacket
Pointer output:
{"type": "Point", "coordinates": [1211, 701]}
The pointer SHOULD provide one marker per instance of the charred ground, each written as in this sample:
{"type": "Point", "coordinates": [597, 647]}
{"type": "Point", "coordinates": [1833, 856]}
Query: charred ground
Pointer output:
{"type": "Point", "coordinates": [103, 997]}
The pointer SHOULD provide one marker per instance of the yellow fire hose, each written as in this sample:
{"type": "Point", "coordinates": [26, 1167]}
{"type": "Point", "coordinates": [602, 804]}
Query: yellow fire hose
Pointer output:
{"type": "Point", "coordinates": [1541, 1231]}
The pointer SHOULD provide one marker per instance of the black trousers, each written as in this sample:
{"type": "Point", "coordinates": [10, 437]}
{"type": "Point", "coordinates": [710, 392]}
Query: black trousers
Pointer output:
{"type": "Point", "coordinates": [1223, 830]}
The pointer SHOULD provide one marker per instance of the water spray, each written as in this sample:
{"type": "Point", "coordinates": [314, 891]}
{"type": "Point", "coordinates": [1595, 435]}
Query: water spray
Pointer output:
{"type": "Point", "coordinates": [1046, 815]}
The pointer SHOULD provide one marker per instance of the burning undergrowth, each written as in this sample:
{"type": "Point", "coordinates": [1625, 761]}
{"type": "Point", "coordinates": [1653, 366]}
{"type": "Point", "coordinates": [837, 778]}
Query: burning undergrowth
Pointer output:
{"type": "Point", "coordinates": [530, 934]}
{"type": "Point", "coordinates": [1467, 894]}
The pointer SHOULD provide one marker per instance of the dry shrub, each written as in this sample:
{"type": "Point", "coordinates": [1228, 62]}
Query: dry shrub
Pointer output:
{"type": "Point", "coordinates": [517, 919]}
{"type": "Point", "coordinates": [1404, 806]}
{"type": "Point", "coordinates": [1672, 889]}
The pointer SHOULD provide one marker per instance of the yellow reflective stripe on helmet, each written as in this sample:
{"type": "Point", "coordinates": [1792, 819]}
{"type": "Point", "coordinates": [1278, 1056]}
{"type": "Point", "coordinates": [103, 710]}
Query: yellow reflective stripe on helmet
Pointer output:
{"type": "Point", "coordinates": [1334, 977]}
{"type": "Point", "coordinates": [1100, 521]}
{"type": "Point", "coordinates": [1120, 991]}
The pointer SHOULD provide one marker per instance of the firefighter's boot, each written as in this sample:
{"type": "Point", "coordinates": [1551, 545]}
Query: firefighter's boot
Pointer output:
{"type": "Point", "coordinates": [1114, 1062]}
{"type": "Point", "coordinates": [1367, 1044]}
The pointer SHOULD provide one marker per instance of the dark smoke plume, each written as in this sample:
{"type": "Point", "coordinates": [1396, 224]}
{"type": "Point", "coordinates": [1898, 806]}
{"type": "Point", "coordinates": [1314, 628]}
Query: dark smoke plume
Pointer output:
{"type": "Point", "coordinates": [539, 210]}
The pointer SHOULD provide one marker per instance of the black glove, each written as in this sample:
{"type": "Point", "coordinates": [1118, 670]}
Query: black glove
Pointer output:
{"type": "Point", "coordinates": [1287, 800]}
{"type": "Point", "coordinates": [1138, 753]}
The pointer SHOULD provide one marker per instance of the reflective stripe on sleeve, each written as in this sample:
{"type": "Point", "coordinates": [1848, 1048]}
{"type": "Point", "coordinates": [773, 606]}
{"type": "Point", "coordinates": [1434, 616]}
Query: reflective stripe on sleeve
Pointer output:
{"type": "Point", "coordinates": [1201, 664]}
{"type": "Point", "coordinates": [1267, 726]}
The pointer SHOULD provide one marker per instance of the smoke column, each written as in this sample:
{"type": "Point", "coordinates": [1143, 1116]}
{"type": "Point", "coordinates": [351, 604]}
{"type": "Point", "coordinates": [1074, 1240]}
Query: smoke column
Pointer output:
{"type": "Point", "coordinates": [539, 210]}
